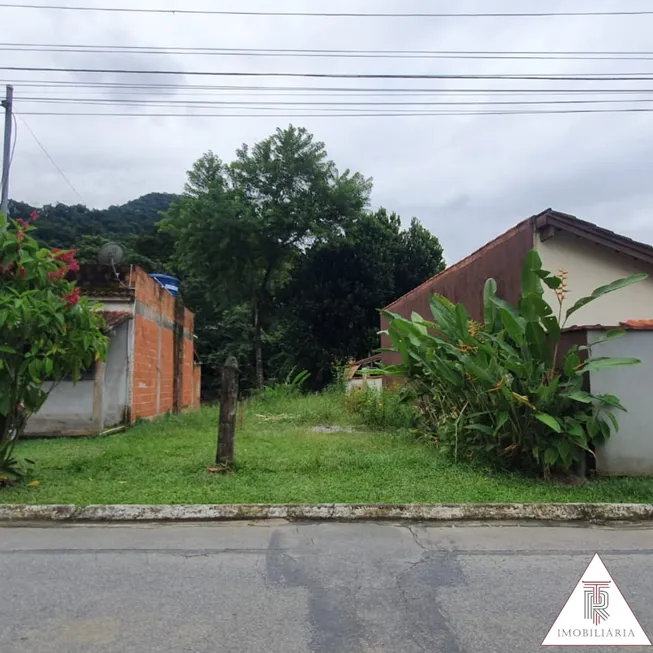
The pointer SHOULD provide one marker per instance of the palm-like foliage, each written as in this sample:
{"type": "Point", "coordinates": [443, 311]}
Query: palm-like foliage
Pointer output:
{"type": "Point", "coordinates": [503, 391]}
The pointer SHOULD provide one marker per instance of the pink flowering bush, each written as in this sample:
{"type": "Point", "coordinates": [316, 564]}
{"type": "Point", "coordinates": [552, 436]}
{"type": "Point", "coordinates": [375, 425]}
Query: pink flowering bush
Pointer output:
{"type": "Point", "coordinates": [47, 331]}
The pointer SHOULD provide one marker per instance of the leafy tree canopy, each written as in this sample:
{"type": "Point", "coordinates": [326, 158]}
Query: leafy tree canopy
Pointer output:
{"type": "Point", "coordinates": [281, 260]}
{"type": "Point", "coordinates": [244, 224]}
{"type": "Point", "coordinates": [331, 303]}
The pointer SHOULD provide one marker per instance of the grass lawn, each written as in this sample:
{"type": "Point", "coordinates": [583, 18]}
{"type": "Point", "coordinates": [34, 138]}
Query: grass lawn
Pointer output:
{"type": "Point", "coordinates": [280, 460]}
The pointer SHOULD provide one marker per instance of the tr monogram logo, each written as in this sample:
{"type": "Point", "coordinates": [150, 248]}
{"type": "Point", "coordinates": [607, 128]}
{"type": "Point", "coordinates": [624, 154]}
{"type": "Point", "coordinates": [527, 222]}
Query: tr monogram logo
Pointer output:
{"type": "Point", "coordinates": [597, 600]}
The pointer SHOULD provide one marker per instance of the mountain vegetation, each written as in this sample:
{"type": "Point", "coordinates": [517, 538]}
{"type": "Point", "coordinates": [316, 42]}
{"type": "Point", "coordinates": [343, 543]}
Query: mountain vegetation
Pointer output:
{"type": "Point", "coordinates": [77, 227]}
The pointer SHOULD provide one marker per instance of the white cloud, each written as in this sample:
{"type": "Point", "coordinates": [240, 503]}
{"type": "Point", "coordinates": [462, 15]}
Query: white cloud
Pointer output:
{"type": "Point", "coordinates": [466, 177]}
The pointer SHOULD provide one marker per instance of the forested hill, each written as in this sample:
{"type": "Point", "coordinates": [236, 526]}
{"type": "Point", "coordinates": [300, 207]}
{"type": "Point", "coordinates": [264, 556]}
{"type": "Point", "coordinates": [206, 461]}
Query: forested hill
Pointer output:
{"type": "Point", "coordinates": [64, 226]}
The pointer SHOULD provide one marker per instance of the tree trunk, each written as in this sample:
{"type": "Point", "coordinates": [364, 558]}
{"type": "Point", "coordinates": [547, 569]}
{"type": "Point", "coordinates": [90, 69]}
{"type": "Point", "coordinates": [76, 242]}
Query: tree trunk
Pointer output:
{"type": "Point", "coordinates": [258, 348]}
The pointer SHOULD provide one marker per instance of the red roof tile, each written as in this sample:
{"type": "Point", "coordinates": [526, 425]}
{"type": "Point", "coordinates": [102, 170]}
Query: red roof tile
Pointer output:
{"type": "Point", "coordinates": [638, 325]}
{"type": "Point", "coordinates": [113, 319]}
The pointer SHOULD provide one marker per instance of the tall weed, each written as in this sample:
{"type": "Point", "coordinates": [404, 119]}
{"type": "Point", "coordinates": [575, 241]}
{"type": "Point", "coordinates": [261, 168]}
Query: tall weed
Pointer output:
{"type": "Point", "coordinates": [380, 409]}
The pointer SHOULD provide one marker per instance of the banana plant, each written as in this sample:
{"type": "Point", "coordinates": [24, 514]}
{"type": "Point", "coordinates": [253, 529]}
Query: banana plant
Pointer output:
{"type": "Point", "coordinates": [501, 391]}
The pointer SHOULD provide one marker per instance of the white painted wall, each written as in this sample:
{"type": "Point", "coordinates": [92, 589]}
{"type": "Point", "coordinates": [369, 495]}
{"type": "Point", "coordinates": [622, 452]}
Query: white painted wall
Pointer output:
{"type": "Point", "coordinates": [116, 376]}
{"type": "Point", "coordinates": [630, 451]}
{"type": "Point", "coordinates": [69, 410]}
{"type": "Point", "coordinates": [590, 266]}
{"type": "Point", "coordinates": [358, 383]}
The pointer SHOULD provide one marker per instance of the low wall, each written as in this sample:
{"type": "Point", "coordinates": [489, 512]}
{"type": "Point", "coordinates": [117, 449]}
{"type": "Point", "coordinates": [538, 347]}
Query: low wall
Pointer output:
{"type": "Point", "coordinates": [115, 400]}
{"type": "Point", "coordinates": [67, 411]}
{"type": "Point", "coordinates": [93, 403]}
{"type": "Point", "coordinates": [630, 451]}
{"type": "Point", "coordinates": [358, 383]}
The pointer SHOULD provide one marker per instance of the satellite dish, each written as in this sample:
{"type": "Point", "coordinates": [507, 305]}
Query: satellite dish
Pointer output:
{"type": "Point", "coordinates": [111, 254]}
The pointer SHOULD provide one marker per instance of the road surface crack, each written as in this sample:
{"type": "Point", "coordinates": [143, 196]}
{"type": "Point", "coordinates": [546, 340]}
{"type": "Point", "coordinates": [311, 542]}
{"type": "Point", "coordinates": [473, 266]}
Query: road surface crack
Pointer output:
{"type": "Point", "coordinates": [415, 535]}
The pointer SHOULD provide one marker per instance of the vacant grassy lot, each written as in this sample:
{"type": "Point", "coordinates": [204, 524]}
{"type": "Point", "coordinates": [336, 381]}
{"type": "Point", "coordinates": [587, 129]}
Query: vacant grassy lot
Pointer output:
{"type": "Point", "coordinates": [280, 460]}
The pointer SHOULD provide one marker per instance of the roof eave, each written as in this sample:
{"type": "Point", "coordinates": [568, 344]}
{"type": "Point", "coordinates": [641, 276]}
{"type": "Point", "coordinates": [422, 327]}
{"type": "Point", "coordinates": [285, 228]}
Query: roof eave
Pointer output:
{"type": "Point", "coordinates": [555, 220]}
{"type": "Point", "coordinates": [113, 319]}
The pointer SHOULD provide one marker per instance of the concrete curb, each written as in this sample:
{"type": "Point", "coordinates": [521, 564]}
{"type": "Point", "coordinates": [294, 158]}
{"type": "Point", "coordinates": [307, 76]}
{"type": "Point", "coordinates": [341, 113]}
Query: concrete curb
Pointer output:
{"type": "Point", "coordinates": [565, 512]}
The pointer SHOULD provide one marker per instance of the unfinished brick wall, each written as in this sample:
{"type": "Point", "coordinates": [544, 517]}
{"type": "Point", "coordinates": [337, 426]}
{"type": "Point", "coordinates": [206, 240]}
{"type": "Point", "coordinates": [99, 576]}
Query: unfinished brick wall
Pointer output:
{"type": "Point", "coordinates": [153, 355]}
{"type": "Point", "coordinates": [197, 385]}
{"type": "Point", "coordinates": [187, 376]}
{"type": "Point", "coordinates": [145, 368]}
{"type": "Point", "coordinates": [167, 372]}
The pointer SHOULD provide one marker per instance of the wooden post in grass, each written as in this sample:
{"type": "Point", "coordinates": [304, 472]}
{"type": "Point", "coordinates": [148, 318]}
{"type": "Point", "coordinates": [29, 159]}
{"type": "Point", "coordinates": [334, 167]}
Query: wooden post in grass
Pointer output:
{"type": "Point", "coordinates": [227, 423]}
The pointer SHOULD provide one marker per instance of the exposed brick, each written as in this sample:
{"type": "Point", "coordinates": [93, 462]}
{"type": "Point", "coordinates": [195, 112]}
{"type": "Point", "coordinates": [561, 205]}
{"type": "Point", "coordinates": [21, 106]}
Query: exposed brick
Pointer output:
{"type": "Point", "coordinates": [151, 367]}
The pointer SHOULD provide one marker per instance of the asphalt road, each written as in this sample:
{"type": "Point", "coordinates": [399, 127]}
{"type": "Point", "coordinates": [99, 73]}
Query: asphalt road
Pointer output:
{"type": "Point", "coordinates": [320, 588]}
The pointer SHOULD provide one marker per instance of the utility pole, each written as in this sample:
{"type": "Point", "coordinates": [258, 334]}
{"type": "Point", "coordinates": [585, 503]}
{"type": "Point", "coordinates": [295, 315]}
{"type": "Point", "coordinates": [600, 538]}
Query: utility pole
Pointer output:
{"type": "Point", "coordinates": [6, 152]}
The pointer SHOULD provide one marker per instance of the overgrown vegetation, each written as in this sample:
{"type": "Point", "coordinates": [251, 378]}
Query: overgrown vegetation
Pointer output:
{"type": "Point", "coordinates": [385, 409]}
{"type": "Point", "coordinates": [284, 263]}
{"type": "Point", "coordinates": [291, 387]}
{"type": "Point", "coordinates": [505, 391]}
{"type": "Point", "coordinates": [280, 459]}
{"type": "Point", "coordinates": [280, 258]}
{"type": "Point", "coordinates": [48, 331]}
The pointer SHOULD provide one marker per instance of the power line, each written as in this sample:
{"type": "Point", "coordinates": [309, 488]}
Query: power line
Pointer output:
{"type": "Point", "coordinates": [146, 94]}
{"type": "Point", "coordinates": [328, 50]}
{"type": "Point", "coordinates": [218, 73]}
{"type": "Point", "coordinates": [302, 52]}
{"type": "Point", "coordinates": [266, 104]}
{"type": "Point", "coordinates": [337, 115]}
{"type": "Point", "coordinates": [52, 161]}
{"type": "Point", "coordinates": [323, 14]}
{"type": "Point", "coordinates": [112, 88]}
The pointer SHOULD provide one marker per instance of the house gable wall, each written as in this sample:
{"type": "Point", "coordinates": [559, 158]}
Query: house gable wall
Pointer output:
{"type": "Point", "coordinates": [463, 282]}
{"type": "Point", "coordinates": [590, 266]}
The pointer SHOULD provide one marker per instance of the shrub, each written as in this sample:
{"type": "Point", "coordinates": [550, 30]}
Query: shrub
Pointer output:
{"type": "Point", "coordinates": [292, 386]}
{"type": "Point", "coordinates": [48, 331]}
{"type": "Point", "coordinates": [501, 391]}
{"type": "Point", "coordinates": [380, 409]}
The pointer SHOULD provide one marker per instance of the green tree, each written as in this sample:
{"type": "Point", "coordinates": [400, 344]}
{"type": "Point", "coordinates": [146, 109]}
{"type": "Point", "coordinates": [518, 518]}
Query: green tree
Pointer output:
{"type": "Point", "coordinates": [152, 250]}
{"type": "Point", "coordinates": [331, 303]}
{"type": "Point", "coordinates": [48, 330]}
{"type": "Point", "coordinates": [88, 247]}
{"type": "Point", "coordinates": [242, 226]}
{"type": "Point", "coordinates": [420, 257]}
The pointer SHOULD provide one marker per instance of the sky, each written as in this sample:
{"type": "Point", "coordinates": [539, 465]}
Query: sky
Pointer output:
{"type": "Point", "coordinates": [467, 178]}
